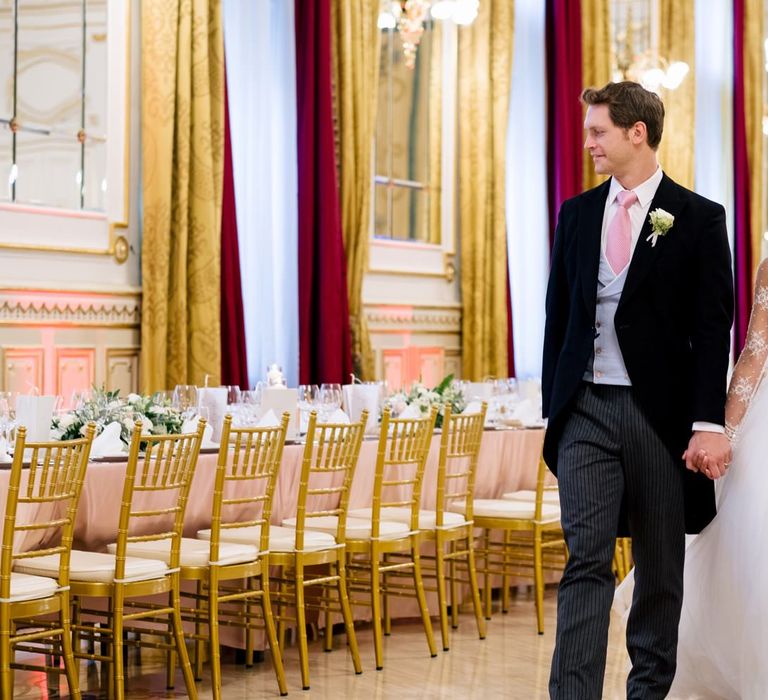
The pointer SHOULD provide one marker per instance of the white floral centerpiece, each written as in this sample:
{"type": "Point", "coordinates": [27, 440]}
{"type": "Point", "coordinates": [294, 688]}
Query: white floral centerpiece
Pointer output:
{"type": "Point", "coordinates": [424, 398]}
{"type": "Point", "coordinates": [105, 407]}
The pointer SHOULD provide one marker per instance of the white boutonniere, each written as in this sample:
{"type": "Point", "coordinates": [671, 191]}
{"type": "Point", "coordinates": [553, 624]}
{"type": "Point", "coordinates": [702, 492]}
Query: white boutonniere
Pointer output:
{"type": "Point", "coordinates": [661, 222]}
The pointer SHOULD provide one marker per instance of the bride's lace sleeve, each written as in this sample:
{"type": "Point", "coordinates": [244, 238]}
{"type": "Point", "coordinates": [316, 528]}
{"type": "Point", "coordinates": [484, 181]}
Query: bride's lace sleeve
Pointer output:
{"type": "Point", "coordinates": [751, 364]}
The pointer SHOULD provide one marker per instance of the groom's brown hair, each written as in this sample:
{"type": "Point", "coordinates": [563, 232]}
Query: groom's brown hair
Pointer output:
{"type": "Point", "coordinates": [629, 103]}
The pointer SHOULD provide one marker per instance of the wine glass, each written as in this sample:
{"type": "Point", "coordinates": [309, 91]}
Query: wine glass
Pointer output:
{"type": "Point", "coordinates": [185, 398]}
{"type": "Point", "coordinates": [79, 398]}
{"type": "Point", "coordinates": [308, 399]}
{"type": "Point", "coordinates": [233, 394]}
{"type": "Point", "coordinates": [7, 416]}
{"type": "Point", "coordinates": [329, 399]}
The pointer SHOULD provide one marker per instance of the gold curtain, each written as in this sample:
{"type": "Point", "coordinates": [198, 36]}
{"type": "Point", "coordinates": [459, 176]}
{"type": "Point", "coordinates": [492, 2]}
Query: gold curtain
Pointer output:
{"type": "Point", "coordinates": [485, 66]}
{"type": "Point", "coordinates": [182, 107]}
{"type": "Point", "coordinates": [676, 43]}
{"type": "Point", "coordinates": [596, 61]}
{"type": "Point", "coordinates": [356, 43]}
{"type": "Point", "coordinates": [435, 123]}
{"type": "Point", "coordinates": [753, 108]}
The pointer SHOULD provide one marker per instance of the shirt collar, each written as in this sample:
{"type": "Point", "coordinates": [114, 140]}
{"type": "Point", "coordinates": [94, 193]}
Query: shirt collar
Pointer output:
{"type": "Point", "coordinates": [645, 191]}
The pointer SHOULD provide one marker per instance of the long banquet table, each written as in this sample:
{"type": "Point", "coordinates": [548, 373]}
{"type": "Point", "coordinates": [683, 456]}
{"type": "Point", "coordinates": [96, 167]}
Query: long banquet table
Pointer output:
{"type": "Point", "coordinates": [508, 461]}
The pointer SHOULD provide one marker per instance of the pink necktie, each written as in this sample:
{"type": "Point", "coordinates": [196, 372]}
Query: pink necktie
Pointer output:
{"type": "Point", "coordinates": [619, 240]}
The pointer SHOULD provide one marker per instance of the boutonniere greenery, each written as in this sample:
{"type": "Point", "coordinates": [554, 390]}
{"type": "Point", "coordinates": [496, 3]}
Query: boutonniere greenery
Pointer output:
{"type": "Point", "coordinates": [661, 222]}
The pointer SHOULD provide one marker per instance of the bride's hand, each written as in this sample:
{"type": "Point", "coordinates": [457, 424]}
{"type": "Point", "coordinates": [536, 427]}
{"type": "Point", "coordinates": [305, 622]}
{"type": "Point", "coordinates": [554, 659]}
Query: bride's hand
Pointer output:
{"type": "Point", "coordinates": [708, 453]}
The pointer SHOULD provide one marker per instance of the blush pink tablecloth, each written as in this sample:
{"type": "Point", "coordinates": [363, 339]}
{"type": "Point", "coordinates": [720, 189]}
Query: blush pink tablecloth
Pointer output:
{"type": "Point", "coordinates": [508, 461]}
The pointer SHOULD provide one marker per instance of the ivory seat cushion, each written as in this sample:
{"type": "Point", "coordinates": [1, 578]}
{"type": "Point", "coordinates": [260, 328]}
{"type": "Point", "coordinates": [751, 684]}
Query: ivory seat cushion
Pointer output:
{"type": "Point", "coordinates": [28, 587]}
{"type": "Point", "coordinates": [427, 518]}
{"type": "Point", "coordinates": [550, 497]}
{"type": "Point", "coordinates": [357, 528]}
{"type": "Point", "coordinates": [518, 510]}
{"type": "Point", "coordinates": [281, 539]}
{"type": "Point", "coordinates": [193, 552]}
{"type": "Point", "coordinates": [93, 567]}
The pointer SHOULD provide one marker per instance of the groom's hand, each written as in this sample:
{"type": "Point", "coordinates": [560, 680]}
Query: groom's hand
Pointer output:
{"type": "Point", "coordinates": [708, 453]}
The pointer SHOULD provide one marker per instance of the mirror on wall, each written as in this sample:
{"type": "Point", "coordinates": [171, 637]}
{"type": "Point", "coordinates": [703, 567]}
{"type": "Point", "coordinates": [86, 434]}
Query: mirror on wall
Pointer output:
{"type": "Point", "coordinates": [407, 141]}
{"type": "Point", "coordinates": [53, 103]}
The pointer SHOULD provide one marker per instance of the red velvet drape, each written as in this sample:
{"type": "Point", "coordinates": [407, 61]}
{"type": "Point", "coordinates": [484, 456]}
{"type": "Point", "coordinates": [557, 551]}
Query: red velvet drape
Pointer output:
{"type": "Point", "coordinates": [325, 353]}
{"type": "Point", "coordinates": [234, 364]}
{"type": "Point", "coordinates": [564, 113]}
{"type": "Point", "coordinates": [741, 185]}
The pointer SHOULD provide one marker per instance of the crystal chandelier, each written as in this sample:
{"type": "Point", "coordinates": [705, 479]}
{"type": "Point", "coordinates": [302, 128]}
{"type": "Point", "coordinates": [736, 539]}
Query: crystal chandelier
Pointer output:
{"type": "Point", "coordinates": [408, 17]}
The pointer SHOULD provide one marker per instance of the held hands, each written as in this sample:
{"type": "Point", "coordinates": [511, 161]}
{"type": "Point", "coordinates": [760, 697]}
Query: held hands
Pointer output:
{"type": "Point", "coordinates": [708, 453]}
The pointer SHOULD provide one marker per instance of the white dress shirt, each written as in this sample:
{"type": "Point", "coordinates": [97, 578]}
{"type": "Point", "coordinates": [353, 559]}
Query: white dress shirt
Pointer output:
{"type": "Point", "coordinates": [638, 213]}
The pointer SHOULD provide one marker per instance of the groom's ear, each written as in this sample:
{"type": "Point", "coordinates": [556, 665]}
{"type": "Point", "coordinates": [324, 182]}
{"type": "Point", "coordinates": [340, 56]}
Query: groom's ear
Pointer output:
{"type": "Point", "coordinates": [638, 133]}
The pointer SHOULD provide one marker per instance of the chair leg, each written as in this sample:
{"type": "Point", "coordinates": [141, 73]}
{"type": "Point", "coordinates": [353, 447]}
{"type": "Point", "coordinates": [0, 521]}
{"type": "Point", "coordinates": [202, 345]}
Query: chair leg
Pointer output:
{"type": "Point", "coordinates": [213, 633]}
{"type": "Point", "coordinates": [269, 624]}
{"type": "Point", "coordinates": [170, 654]}
{"type": "Point", "coordinates": [117, 644]}
{"type": "Point", "coordinates": [180, 644]}
{"type": "Point", "coordinates": [538, 578]}
{"type": "Point", "coordinates": [70, 667]}
{"type": "Point", "coordinates": [6, 672]}
{"type": "Point", "coordinates": [441, 592]}
{"type": "Point", "coordinates": [301, 630]}
{"type": "Point", "coordinates": [472, 571]}
{"type": "Point", "coordinates": [487, 574]}
{"type": "Point", "coordinates": [505, 573]}
{"type": "Point", "coordinates": [199, 643]}
{"type": "Point", "coordinates": [385, 598]}
{"type": "Point", "coordinates": [249, 615]}
{"type": "Point", "coordinates": [328, 634]}
{"type": "Point", "coordinates": [418, 582]}
{"type": "Point", "coordinates": [453, 589]}
{"type": "Point", "coordinates": [281, 607]}
{"type": "Point", "coordinates": [346, 611]}
{"type": "Point", "coordinates": [378, 647]}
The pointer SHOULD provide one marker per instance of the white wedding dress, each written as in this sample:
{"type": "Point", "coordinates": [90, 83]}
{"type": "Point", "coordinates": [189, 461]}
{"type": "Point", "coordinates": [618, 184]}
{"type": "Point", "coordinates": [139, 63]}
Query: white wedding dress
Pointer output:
{"type": "Point", "coordinates": [723, 643]}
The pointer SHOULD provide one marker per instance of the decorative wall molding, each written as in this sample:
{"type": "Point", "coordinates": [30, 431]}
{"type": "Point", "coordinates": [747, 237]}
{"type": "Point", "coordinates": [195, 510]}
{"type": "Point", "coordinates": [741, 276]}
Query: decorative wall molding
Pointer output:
{"type": "Point", "coordinates": [389, 318]}
{"type": "Point", "coordinates": [25, 307]}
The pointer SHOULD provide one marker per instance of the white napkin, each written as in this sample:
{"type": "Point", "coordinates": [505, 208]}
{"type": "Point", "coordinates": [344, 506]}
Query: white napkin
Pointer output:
{"type": "Point", "coordinates": [108, 442]}
{"type": "Point", "coordinates": [472, 407]}
{"type": "Point", "coordinates": [268, 420]}
{"type": "Point", "coordinates": [359, 397]}
{"type": "Point", "coordinates": [338, 416]}
{"type": "Point", "coordinates": [410, 412]}
{"type": "Point", "coordinates": [527, 412]}
{"type": "Point", "coordinates": [190, 426]}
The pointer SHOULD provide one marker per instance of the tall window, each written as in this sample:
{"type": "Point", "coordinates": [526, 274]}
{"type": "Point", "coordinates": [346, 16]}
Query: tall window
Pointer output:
{"type": "Point", "coordinates": [407, 141]}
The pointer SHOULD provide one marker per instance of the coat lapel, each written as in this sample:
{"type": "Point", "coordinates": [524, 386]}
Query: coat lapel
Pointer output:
{"type": "Point", "coordinates": [645, 254]}
{"type": "Point", "coordinates": [589, 242]}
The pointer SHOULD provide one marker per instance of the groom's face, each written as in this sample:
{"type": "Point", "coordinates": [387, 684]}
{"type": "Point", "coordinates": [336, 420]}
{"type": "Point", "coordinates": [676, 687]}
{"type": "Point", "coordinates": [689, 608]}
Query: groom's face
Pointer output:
{"type": "Point", "coordinates": [609, 146]}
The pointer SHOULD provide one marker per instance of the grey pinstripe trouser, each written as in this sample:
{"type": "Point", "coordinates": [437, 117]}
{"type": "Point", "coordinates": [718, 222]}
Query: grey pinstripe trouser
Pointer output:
{"type": "Point", "coordinates": [609, 454]}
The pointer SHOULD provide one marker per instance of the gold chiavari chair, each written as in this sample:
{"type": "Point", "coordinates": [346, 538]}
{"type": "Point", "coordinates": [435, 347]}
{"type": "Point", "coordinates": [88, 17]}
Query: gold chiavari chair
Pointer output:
{"type": "Point", "coordinates": [328, 466]}
{"type": "Point", "coordinates": [154, 500]}
{"type": "Point", "coordinates": [374, 533]}
{"type": "Point", "coordinates": [52, 488]}
{"type": "Point", "coordinates": [450, 525]}
{"type": "Point", "coordinates": [246, 474]}
{"type": "Point", "coordinates": [532, 542]}
{"type": "Point", "coordinates": [230, 577]}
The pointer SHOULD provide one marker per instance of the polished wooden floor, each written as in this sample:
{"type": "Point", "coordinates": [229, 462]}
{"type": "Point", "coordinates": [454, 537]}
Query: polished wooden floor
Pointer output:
{"type": "Point", "coordinates": [512, 662]}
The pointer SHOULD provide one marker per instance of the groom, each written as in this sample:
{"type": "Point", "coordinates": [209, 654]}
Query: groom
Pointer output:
{"type": "Point", "coordinates": [636, 349]}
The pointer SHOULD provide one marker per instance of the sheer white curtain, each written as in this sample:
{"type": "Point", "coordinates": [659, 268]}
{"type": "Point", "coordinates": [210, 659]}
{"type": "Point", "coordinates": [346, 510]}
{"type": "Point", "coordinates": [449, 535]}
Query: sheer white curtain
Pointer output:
{"type": "Point", "coordinates": [714, 103]}
{"type": "Point", "coordinates": [526, 182]}
{"type": "Point", "coordinates": [259, 44]}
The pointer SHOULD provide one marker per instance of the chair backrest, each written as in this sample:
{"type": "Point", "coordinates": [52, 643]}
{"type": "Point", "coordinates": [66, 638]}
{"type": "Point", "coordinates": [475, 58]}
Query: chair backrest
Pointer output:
{"type": "Point", "coordinates": [459, 449]}
{"type": "Point", "coordinates": [327, 469]}
{"type": "Point", "coordinates": [400, 461]}
{"type": "Point", "coordinates": [156, 486]}
{"type": "Point", "coordinates": [51, 489]}
{"type": "Point", "coordinates": [246, 474]}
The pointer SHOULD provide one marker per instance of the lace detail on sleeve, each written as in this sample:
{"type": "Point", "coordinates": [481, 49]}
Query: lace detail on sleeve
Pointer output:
{"type": "Point", "coordinates": [750, 368]}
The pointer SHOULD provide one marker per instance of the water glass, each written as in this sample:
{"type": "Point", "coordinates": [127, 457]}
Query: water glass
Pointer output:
{"type": "Point", "coordinates": [185, 399]}
{"type": "Point", "coordinates": [233, 394]}
{"type": "Point", "coordinates": [329, 399]}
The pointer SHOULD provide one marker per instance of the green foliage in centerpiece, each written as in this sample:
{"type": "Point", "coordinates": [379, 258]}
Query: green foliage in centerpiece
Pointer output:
{"type": "Point", "coordinates": [105, 407]}
{"type": "Point", "coordinates": [445, 393]}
